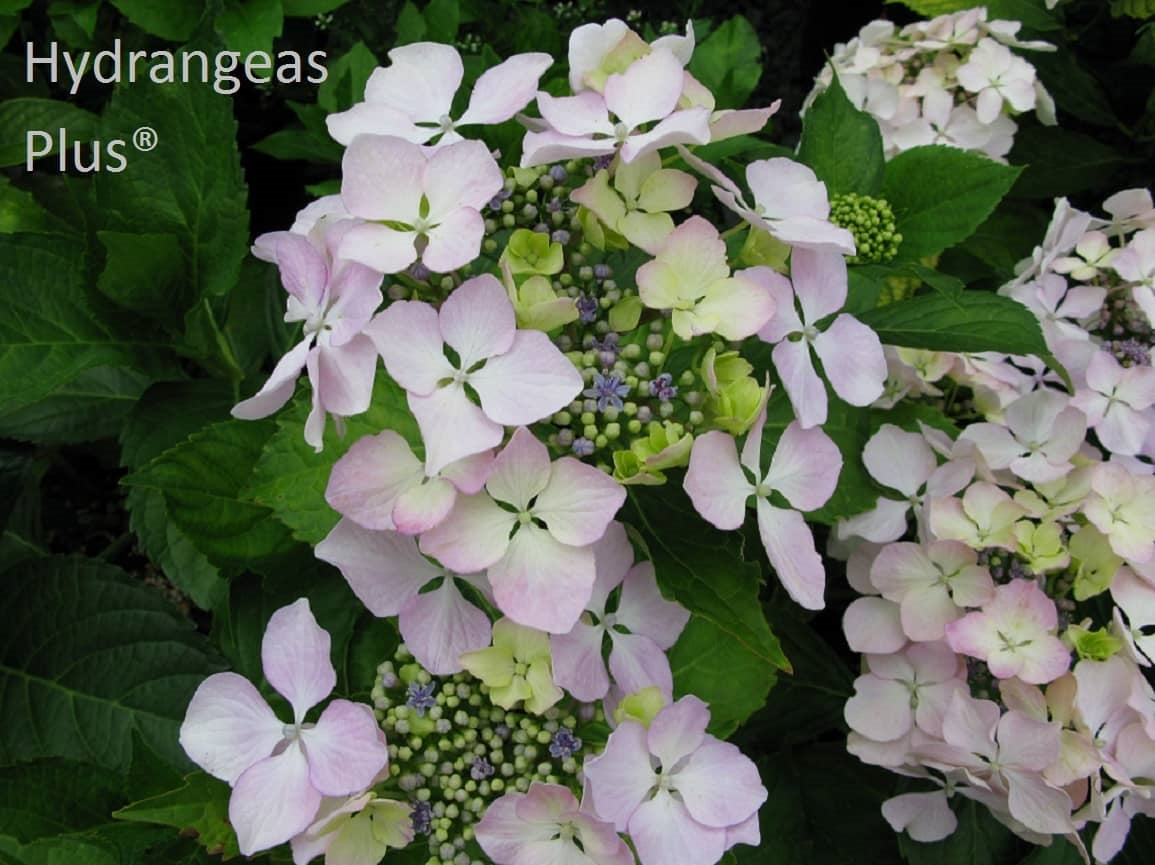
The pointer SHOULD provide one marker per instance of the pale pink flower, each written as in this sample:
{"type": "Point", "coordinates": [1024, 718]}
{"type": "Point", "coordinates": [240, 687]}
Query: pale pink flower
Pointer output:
{"type": "Point", "coordinates": [899, 691]}
{"type": "Point", "coordinates": [682, 795]}
{"type": "Point", "coordinates": [925, 817]}
{"type": "Point", "coordinates": [1061, 310]}
{"type": "Point", "coordinates": [1116, 402]}
{"type": "Point", "coordinates": [546, 825]}
{"type": "Point", "coordinates": [412, 97]}
{"type": "Point", "coordinates": [996, 75]}
{"type": "Point", "coordinates": [905, 462]}
{"type": "Point", "coordinates": [851, 352]}
{"type": "Point", "coordinates": [984, 517]}
{"type": "Point", "coordinates": [538, 551]}
{"type": "Point", "coordinates": [932, 584]}
{"type": "Point", "coordinates": [1122, 506]}
{"type": "Point", "coordinates": [519, 375]}
{"type": "Point", "coordinates": [789, 202]}
{"type": "Point", "coordinates": [616, 120]}
{"type": "Point", "coordinates": [406, 197]}
{"type": "Point", "coordinates": [387, 573]}
{"type": "Point", "coordinates": [873, 624]}
{"type": "Point", "coordinates": [356, 830]}
{"type": "Point", "coordinates": [380, 484]}
{"type": "Point", "coordinates": [1093, 253]}
{"type": "Point", "coordinates": [804, 469]}
{"type": "Point", "coordinates": [640, 628]}
{"type": "Point", "coordinates": [279, 772]}
{"type": "Point", "coordinates": [1005, 753]}
{"type": "Point", "coordinates": [335, 300]}
{"type": "Point", "coordinates": [1040, 434]}
{"type": "Point", "coordinates": [1014, 633]}
{"type": "Point", "coordinates": [1130, 209]}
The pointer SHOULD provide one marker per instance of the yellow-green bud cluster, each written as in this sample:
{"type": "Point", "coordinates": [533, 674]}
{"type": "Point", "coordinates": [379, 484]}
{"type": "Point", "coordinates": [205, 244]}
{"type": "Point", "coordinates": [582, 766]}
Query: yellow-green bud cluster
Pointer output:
{"type": "Point", "coordinates": [871, 221]}
{"type": "Point", "coordinates": [452, 752]}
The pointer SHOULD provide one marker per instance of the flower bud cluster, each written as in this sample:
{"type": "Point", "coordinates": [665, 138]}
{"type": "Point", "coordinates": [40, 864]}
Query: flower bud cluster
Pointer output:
{"type": "Point", "coordinates": [871, 221]}
{"type": "Point", "coordinates": [452, 752]}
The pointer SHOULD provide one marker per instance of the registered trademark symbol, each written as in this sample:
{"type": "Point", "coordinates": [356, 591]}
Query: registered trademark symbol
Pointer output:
{"type": "Point", "coordinates": [145, 139]}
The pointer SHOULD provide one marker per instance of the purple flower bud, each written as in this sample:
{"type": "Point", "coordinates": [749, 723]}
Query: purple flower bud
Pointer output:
{"type": "Point", "coordinates": [421, 698]}
{"type": "Point", "coordinates": [582, 447]}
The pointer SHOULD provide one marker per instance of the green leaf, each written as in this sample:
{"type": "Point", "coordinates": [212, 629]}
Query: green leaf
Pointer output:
{"type": "Point", "coordinates": [441, 20]}
{"type": "Point", "coordinates": [91, 406]}
{"type": "Point", "coordinates": [709, 663]}
{"type": "Point", "coordinates": [170, 547]}
{"type": "Point", "coordinates": [250, 25]}
{"type": "Point", "coordinates": [345, 84]}
{"type": "Point", "coordinates": [145, 273]}
{"type": "Point", "coordinates": [51, 797]}
{"type": "Point", "coordinates": [290, 478]}
{"type": "Point", "coordinates": [167, 414]}
{"type": "Point", "coordinates": [729, 62]}
{"type": "Point", "coordinates": [18, 117]}
{"type": "Point", "coordinates": [979, 840]}
{"type": "Point", "coordinates": [200, 806]}
{"type": "Point", "coordinates": [971, 321]}
{"type": "Point", "coordinates": [410, 24]}
{"type": "Point", "coordinates": [823, 806]}
{"type": "Point", "coordinates": [299, 144]}
{"type": "Point", "coordinates": [808, 703]}
{"type": "Point", "coordinates": [842, 144]}
{"type": "Point", "coordinates": [1061, 162]}
{"type": "Point", "coordinates": [21, 212]}
{"type": "Point", "coordinates": [189, 186]}
{"type": "Point", "coordinates": [1007, 237]}
{"type": "Point", "coordinates": [940, 195]}
{"type": "Point", "coordinates": [96, 657]}
{"type": "Point", "coordinates": [202, 479]}
{"type": "Point", "coordinates": [175, 20]}
{"type": "Point", "coordinates": [703, 570]}
{"type": "Point", "coordinates": [53, 339]}
{"type": "Point", "coordinates": [1074, 89]}
{"type": "Point", "coordinates": [58, 850]}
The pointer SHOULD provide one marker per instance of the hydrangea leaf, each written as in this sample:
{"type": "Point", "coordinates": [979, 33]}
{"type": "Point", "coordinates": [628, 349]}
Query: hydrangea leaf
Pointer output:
{"type": "Point", "coordinates": [96, 657]}
{"type": "Point", "coordinates": [65, 375]}
{"type": "Point", "coordinates": [940, 195]}
{"type": "Point", "coordinates": [723, 672]}
{"type": "Point", "coordinates": [703, 570]}
{"type": "Point", "coordinates": [842, 144]}
{"type": "Point", "coordinates": [729, 62]}
{"type": "Point", "coordinates": [968, 321]}
{"type": "Point", "coordinates": [51, 797]}
{"type": "Point", "coordinates": [202, 479]}
{"type": "Point", "coordinates": [201, 805]}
